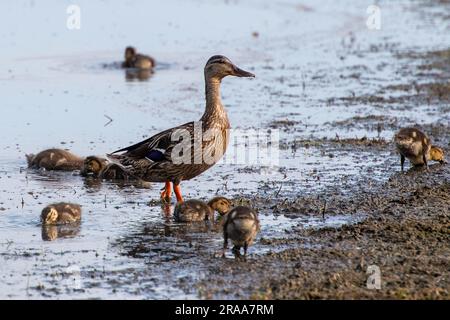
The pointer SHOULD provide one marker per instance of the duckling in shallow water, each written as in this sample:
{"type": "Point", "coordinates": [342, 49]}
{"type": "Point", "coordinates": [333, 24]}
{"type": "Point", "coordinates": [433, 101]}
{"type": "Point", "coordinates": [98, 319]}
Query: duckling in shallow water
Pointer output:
{"type": "Point", "coordinates": [413, 144]}
{"type": "Point", "coordinates": [241, 225]}
{"type": "Point", "coordinates": [61, 213]}
{"type": "Point", "coordinates": [136, 60]}
{"type": "Point", "coordinates": [99, 167]}
{"type": "Point", "coordinates": [93, 166]}
{"type": "Point", "coordinates": [197, 210]}
{"type": "Point", "coordinates": [54, 159]}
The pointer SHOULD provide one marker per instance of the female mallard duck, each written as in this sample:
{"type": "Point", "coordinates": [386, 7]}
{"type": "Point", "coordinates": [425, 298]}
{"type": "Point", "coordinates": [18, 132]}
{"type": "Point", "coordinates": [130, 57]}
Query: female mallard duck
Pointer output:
{"type": "Point", "coordinates": [241, 225]}
{"type": "Point", "coordinates": [197, 210]}
{"type": "Point", "coordinates": [413, 144]}
{"type": "Point", "coordinates": [55, 159]}
{"type": "Point", "coordinates": [136, 60]}
{"type": "Point", "coordinates": [162, 158]}
{"type": "Point", "coordinates": [61, 213]}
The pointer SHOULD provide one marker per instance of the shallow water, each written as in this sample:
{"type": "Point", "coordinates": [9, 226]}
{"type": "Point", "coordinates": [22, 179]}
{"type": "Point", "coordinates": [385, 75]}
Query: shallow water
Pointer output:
{"type": "Point", "coordinates": [60, 88]}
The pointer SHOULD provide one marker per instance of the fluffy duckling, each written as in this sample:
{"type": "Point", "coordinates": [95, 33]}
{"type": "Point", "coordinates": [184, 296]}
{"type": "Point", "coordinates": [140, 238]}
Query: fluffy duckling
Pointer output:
{"type": "Point", "coordinates": [99, 167]}
{"type": "Point", "coordinates": [136, 60]}
{"type": "Point", "coordinates": [61, 213]}
{"type": "Point", "coordinates": [102, 168]}
{"type": "Point", "coordinates": [241, 225]}
{"type": "Point", "coordinates": [94, 166]}
{"type": "Point", "coordinates": [197, 210]}
{"type": "Point", "coordinates": [55, 159]}
{"type": "Point", "coordinates": [413, 144]}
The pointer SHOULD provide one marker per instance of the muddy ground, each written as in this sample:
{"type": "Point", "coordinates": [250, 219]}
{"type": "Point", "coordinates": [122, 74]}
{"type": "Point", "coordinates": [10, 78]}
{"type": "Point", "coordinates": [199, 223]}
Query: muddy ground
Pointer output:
{"type": "Point", "coordinates": [406, 234]}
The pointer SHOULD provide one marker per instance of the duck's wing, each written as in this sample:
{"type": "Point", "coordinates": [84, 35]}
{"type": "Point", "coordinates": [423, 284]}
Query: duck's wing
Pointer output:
{"type": "Point", "coordinates": [156, 148]}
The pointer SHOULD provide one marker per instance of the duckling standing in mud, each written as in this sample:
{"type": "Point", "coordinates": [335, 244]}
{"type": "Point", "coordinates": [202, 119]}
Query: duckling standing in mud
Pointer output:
{"type": "Point", "coordinates": [61, 213]}
{"type": "Point", "coordinates": [241, 225]}
{"type": "Point", "coordinates": [413, 144]}
{"type": "Point", "coordinates": [136, 60]}
{"type": "Point", "coordinates": [196, 210]}
{"type": "Point", "coordinates": [55, 159]}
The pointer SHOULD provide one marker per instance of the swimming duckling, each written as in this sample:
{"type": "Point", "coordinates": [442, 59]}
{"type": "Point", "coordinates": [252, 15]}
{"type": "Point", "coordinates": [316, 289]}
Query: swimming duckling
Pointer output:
{"type": "Point", "coordinates": [136, 60]}
{"type": "Point", "coordinates": [55, 159]}
{"type": "Point", "coordinates": [61, 213]}
{"type": "Point", "coordinates": [241, 225]}
{"type": "Point", "coordinates": [413, 144]}
{"type": "Point", "coordinates": [197, 210]}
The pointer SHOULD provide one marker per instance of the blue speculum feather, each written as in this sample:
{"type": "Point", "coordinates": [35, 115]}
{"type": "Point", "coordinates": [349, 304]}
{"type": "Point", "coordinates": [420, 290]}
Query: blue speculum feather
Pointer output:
{"type": "Point", "coordinates": [155, 155]}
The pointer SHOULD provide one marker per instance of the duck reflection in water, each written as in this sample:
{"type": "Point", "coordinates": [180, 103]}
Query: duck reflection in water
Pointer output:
{"type": "Point", "coordinates": [138, 74]}
{"type": "Point", "coordinates": [53, 232]}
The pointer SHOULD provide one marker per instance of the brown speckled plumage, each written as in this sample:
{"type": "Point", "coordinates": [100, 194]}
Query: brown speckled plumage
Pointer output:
{"type": "Point", "coordinates": [61, 213]}
{"type": "Point", "coordinates": [240, 225]}
{"type": "Point", "coordinates": [55, 159]}
{"type": "Point", "coordinates": [152, 159]}
{"type": "Point", "coordinates": [197, 210]}
{"type": "Point", "coordinates": [136, 60]}
{"type": "Point", "coordinates": [415, 145]}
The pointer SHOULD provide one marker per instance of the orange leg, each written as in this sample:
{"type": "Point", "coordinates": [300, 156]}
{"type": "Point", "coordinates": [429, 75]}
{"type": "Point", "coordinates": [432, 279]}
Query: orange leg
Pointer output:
{"type": "Point", "coordinates": [177, 190]}
{"type": "Point", "coordinates": [167, 192]}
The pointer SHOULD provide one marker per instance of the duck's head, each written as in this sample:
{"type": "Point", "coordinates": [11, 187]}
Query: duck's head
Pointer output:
{"type": "Point", "coordinates": [130, 52]}
{"type": "Point", "coordinates": [220, 67]}
{"type": "Point", "coordinates": [437, 154]}
{"type": "Point", "coordinates": [220, 204]}
{"type": "Point", "coordinates": [49, 215]}
{"type": "Point", "coordinates": [93, 165]}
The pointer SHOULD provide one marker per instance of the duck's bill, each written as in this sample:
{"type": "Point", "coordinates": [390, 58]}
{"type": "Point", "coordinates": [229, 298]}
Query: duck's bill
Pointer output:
{"type": "Point", "coordinates": [242, 73]}
{"type": "Point", "coordinates": [443, 162]}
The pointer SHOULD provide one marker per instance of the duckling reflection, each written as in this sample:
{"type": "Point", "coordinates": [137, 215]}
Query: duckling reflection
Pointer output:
{"type": "Point", "coordinates": [415, 145]}
{"type": "Point", "coordinates": [240, 225]}
{"type": "Point", "coordinates": [138, 74]}
{"type": "Point", "coordinates": [55, 159]}
{"type": "Point", "coordinates": [53, 232]}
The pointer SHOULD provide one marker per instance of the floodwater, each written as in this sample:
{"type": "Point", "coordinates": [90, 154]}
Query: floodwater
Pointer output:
{"type": "Point", "coordinates": [60, 88]}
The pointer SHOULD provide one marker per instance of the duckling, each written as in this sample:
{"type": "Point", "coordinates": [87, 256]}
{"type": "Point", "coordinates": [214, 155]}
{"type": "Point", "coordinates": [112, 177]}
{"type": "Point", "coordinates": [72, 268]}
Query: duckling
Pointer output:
{"type": "Point", "coordinates": [197, 210]}
{"type": "Point", "coordinates": [99, 167]}
{"type": "Point", "coordinates": [93, 166]}
{"type": "Point", "coordinates": [241, 225]}
{"type": "Point", "coordinates": [55, 159]}
{"type": "Point", "coordinates": [61, 213]}
{"type": "Point", "coordinates": [136, 60]}
{"type": "Point", "coordinates": [102, 168]}
{"type": "Point", "coordinates": [415, 145]}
